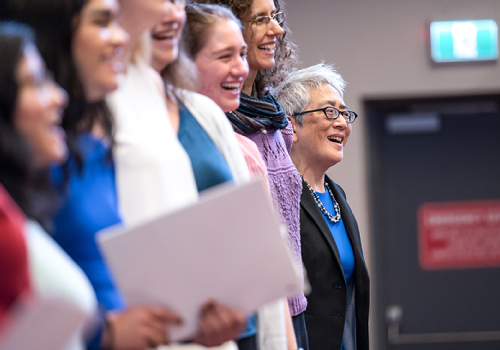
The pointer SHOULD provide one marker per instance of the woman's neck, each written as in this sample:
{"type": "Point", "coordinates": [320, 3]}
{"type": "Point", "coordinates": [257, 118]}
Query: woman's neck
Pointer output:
{"type": "Point", "coordinates": [314, 176]}
{"type": "Point", "coordinates": [248, 84]}
{"type": "Point", "coordinates": [172, 108]}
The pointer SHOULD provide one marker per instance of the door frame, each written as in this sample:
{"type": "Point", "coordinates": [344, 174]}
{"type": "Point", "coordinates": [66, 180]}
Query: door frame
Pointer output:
{"type": "Point", "coordinates": [373, 106]}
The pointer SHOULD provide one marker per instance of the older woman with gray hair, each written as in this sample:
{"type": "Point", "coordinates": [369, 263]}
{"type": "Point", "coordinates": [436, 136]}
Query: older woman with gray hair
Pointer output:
{"type": "Point", "coordinates": [337, 308]}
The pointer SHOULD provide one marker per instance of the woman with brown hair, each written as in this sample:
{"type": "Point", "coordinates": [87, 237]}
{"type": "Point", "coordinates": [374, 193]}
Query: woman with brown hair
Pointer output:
{"type": "Point", "coordinates": [260, 118]}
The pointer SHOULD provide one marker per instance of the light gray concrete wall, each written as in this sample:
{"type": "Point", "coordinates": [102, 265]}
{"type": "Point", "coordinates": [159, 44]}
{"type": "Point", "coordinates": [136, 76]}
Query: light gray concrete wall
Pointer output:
{"type": "Point", "coordinates": [381, 49]}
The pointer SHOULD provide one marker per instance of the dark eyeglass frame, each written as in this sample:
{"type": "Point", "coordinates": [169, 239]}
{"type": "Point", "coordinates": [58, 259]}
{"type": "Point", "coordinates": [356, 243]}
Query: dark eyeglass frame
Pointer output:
{"type": "Point", "coordinates": [348, 115]}
{"type": "Point", "coordinates": [264, 20]}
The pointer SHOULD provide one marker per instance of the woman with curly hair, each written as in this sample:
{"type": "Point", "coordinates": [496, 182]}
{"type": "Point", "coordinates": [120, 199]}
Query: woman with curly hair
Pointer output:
{"type": "Point", "coordinates": [260, 118]}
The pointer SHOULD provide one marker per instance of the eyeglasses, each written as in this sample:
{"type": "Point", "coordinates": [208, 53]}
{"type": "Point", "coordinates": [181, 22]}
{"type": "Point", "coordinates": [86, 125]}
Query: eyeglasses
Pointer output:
{"type": "Point", "coordinates": [262, 21]}
{"type": "Point", "coordinates": [333, 113]}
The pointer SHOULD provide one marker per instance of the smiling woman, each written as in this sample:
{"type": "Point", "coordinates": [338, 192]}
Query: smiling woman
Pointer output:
{"type": "Point", "coordinates": [30, 137]}
{"type": "Point", "coordinates": [30, 141]}
{"type": "Point", "coordinates": [271, 54]}
{"type": "Point", "coordinates": [323, 144]}
{"type": "Point", "coordinates": [166, 37]}
{"type": "Point", "coordinates": [215, 44]}
{"type": "Point", "coordinates": [37, 115]}
{"type": "Point", "coordinates": [222, 67]}
{"type": "Point", "coordinates": [336, 318]}
{"type": "Point", "coordinates": [79, 40]}
{"type": "Point", "coordinates": [97, 47]}
{"type": "Point", "coordinates": [82, 41]}
{"type": "Point", "coordinates": [153, 168]}
{"type": "Point", "coordinates": [201, 126]}
{"type": "Point", "coordinates": [261, 119]}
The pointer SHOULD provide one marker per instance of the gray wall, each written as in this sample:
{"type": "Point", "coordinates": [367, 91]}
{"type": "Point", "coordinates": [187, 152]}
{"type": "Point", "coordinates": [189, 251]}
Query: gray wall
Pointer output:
{"type": "Point", "coordinates": [381, 49]}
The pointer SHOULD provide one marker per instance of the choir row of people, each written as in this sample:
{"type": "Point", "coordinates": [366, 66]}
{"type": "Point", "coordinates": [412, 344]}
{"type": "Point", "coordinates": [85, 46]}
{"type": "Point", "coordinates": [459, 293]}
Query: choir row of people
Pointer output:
{"type": "Point", "coordinates": [152, 102]}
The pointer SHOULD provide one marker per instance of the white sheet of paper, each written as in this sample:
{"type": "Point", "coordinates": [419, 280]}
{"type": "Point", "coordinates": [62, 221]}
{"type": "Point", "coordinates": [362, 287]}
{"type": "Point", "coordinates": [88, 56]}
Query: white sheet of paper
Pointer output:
{"type": "Point", "coordinates": [227, 246]}
{"type": "Point", "coordinates": [47, 324]}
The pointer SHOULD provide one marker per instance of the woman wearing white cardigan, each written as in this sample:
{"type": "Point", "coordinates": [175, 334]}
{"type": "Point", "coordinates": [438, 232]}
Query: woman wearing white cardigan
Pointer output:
{"type": "Point", "coordinates": [153, 172]}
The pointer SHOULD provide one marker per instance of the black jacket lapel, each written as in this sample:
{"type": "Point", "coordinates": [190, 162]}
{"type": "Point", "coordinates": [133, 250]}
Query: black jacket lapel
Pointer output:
{"type": "Point", "coordinates": [353, 233]}
{"type": "Point", "coordinates": [347, 216]}
{"type": "Point", "coordinates": [307, 202]}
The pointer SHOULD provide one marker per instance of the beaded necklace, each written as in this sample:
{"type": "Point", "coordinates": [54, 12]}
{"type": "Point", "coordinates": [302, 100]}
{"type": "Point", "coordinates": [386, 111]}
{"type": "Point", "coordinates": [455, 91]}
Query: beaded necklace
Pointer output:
{"type": "Point", "coordinates": [320, 205]}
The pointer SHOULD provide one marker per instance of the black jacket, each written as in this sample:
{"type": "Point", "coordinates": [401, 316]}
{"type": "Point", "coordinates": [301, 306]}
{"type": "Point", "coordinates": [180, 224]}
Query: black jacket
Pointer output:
{"type": "Point", "coordinates": [326, 304]}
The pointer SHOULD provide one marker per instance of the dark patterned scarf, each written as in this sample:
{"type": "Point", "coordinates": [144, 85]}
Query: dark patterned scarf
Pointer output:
{"type": "Point", "coordinates": [254, 115]}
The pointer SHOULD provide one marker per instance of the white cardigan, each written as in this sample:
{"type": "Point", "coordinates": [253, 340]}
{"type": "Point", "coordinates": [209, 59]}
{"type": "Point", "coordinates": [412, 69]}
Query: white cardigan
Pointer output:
{"type": "Point", "coordinates": [153, 172]}
{"type": "Point", "coordinates": [214, 121]}
{"type": "Point", "coordinates": [271, 326]}
{"type": "Point", "coordinates": [55, 275]}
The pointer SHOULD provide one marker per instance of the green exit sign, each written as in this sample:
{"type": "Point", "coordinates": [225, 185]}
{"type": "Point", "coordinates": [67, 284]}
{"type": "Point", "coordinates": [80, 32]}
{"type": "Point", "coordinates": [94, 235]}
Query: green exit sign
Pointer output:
{"type": "Point", "coordinates": [462, 41]}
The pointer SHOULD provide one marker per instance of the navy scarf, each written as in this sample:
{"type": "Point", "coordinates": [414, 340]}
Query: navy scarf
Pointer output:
{"type": "Point", "coordinates": [254, 115]}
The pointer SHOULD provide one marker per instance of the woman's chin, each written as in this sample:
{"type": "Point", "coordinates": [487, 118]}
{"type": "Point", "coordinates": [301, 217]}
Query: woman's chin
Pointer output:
{"type": "Point", "coordinates": [229, 106]}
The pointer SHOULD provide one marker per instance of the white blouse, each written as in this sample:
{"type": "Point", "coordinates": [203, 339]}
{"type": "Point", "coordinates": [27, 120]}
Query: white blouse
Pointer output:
{"type": "Point", "coordinates": [55, 275]}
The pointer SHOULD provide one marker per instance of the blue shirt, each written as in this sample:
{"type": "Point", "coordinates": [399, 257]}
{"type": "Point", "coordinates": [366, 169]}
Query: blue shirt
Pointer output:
{"type": "Point", "coordinates": [341, 239]}
{"type": "Point", "coordinates": [209, 166]}
{"type": "Point", "coordinates": [340, 236]}
{"type": "Point", "coordinates": [90, 206]}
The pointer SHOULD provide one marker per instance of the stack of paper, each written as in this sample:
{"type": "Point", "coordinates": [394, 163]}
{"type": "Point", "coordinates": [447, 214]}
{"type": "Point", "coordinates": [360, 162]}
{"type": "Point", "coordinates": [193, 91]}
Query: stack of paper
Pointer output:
{"type": "Point", "coordinates": [227, 246]}
{"type": "Point", "coordinates": [47, 324]}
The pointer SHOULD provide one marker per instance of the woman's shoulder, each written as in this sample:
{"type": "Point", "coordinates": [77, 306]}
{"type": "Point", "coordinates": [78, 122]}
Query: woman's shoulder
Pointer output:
{"type": "Point", "coordinates": [93, 154]}
{"type": "Point", "coordinates": [140, 83]}
{"type": "Point", "coordinates": [287, 134]}
{"type": "Point", "coordinates": [252, 156]}
{"type": "Point", "coordinates": [206, 111]}
{"type": "Point", "coordinates": [247, 144]}
{"type": "Point", "coordinates": [12, 223]}
{"type": "Point", "coordinates": [9, 211]}
{"type": "Point", "coordinates": [54, 272]}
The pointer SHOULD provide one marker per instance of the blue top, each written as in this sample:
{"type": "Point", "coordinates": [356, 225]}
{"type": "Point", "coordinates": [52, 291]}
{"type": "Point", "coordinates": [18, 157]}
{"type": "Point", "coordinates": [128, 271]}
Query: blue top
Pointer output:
{"type": "Point", "coordinates": [209, 166]}
{"type": "Point", "coordinates": [90, 206]}
{"type": "Point", "coordinates": [340, 236]}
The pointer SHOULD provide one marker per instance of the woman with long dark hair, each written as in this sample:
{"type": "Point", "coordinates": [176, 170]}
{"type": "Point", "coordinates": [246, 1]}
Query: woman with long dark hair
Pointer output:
{"type": "Point", "coordinates": [83, 42]}
{"type": "Point", "coordinates": [92, 61]}
{"type": "Point", "coordinates": [14, 276]}
{"type": "Point", "coordinates": [31, 141]}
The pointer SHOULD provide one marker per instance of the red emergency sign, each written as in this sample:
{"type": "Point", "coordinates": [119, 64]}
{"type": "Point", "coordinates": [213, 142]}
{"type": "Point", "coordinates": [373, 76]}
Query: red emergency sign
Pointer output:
{"type": "Point", "coordinates": [459, 234]}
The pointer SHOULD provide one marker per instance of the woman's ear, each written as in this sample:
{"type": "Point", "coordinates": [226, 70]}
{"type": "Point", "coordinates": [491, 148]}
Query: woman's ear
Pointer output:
{"type": "Point", "coordinates": [294, 125]}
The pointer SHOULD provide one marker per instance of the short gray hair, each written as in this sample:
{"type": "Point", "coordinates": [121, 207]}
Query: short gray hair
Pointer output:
{"type": "Point", "coordinates": [294, 93]}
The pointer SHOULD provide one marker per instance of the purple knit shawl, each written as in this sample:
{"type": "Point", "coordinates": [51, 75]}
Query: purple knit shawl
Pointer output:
{"type": "Point", "coordinates": [286, 188]}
